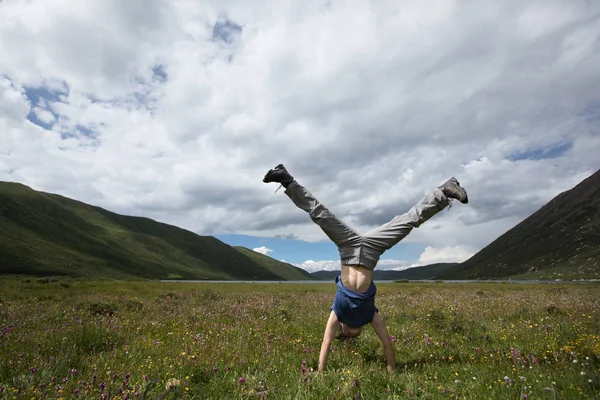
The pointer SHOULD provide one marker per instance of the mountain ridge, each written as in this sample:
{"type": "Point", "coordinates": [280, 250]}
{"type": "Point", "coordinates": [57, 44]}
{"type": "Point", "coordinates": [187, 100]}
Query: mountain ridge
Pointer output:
{"type": "Point", "coordinates": [561, 240]}
{"type": "Point", "coordinates": [44, 234]}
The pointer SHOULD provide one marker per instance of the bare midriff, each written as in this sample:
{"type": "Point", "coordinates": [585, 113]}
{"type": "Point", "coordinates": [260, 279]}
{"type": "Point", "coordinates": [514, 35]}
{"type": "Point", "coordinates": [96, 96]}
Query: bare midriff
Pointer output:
{"type": "Point", "coordinates": [356, 278]}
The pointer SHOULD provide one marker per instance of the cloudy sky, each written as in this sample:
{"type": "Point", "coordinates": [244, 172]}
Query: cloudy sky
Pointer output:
{"type": "Point", "coordinates": [174, 110]}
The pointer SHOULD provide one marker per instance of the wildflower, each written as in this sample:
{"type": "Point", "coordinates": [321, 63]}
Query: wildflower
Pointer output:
{"type": "Point", "coordinates": [242, 380]}
{"type": "Point", "coordinates": [172, 383]}
{"type": "Point", "coordinates": [507, 380]}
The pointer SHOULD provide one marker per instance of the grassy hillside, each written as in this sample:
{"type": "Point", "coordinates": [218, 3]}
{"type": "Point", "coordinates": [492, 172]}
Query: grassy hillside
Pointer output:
{"type": "Point", "coordinates": [559, 241]}
{"type": "Point", "coordinates": [44, 234]}
{"type": "Point", "coordinates": [431, 271]}
{"type": "Point", "coordinates": [286, 271]}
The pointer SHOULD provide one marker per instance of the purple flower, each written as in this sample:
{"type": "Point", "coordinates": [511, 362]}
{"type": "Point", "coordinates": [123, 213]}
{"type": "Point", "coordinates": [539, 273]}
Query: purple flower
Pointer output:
{"type": "Point", "coordinates": [76, 391]}
{"type": "Point", "coordinates": [394, 340]}
{"type": "Point", "coordinates": [242, 380]}
{"type": "Point", "coordinates": [33, 370]}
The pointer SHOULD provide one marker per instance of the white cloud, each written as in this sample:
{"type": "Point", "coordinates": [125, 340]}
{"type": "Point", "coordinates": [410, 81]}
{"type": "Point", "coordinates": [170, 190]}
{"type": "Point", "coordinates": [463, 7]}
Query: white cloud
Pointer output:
{"type": "Point", "coordinates": [448, 254]}
{"type": "Point", "coordinates": [313, 266]}
{"type": "Point", "coordinates": [263, 250]}
{"type": "Point", "coordinates": [370, 106]}
{"type": "Point", "coordinates": [44, 115]}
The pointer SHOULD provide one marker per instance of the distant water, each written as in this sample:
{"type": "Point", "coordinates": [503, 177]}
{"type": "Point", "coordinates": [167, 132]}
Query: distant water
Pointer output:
{"type": "Point", "coordinates": [387, 281]}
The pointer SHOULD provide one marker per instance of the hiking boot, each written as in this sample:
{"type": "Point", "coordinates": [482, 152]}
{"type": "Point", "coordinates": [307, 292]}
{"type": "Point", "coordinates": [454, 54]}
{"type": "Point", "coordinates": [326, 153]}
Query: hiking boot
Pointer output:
{"type": "Point", "coordinates": [452, 190]}
{"type": "Point", "coordinates": [278, 174]}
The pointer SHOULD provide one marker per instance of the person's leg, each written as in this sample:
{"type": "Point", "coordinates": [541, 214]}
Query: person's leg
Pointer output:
{"type": "Point", "coordinates": [384, 237]}
{"type": "Point", "coordinates": [387, 235]}
{"type": "Point", "coordinates": [339, 233]}
{"type": "Point", "coordinates": [344, 237]}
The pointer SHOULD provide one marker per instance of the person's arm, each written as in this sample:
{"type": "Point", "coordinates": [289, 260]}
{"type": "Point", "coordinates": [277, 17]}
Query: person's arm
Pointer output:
{"type": "Point", "coordinates": [328, 337]}
{"type": "Point", "coordinates": [388, 348]}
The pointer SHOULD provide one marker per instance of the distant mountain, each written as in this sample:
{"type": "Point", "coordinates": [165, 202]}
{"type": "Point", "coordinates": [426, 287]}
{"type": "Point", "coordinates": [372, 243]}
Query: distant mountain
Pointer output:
{"type": "Point", "coordinates": [559, 241]}
{"type": "Point", "coordinates": [324, 275]}
{"type": "Point", "coordinates": [43, 234]}
{"type": "Point", "coordinates": [431, 271]}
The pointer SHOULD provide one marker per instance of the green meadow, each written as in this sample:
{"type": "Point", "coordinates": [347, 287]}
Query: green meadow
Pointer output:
{"type": "Point", "coordinates": [149, 340]}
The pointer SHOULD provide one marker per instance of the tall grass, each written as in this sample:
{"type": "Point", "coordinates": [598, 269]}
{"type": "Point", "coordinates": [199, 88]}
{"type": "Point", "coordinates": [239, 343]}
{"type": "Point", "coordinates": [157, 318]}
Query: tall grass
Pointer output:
{"type": "Point", "coordinates": [127, 340]}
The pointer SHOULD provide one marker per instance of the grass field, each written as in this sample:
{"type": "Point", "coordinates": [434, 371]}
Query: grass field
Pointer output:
{"type": "Point", "coordinates": [128, 340]}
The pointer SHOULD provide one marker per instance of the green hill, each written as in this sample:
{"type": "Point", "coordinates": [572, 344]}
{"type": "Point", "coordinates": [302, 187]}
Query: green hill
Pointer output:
{"type": "Point", "coordinates": [43, 234]}
{"type": "Point", "coordinates": [559, 241]}
{"type": "Point", "coordinates": [286, 271]}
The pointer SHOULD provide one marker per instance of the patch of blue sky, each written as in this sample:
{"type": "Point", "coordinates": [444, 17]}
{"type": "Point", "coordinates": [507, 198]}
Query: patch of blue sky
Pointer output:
{"type": "Point", "coordinates": [299, 251]}
{"type": "Point", "coordinates": [39, 97]}
{"type": "Point", "coordinates": [226, 31]}
{"type": "Point", "coordinates": [290, 250]}
{"type": "Point", "coordinates": [542, 153]}
{"type": "Point", "coordinates": [85, 131]}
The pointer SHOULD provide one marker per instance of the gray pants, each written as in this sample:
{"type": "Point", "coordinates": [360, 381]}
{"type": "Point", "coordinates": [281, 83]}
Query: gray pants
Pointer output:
{"type": "Point", "coordinates": [365, 249]}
